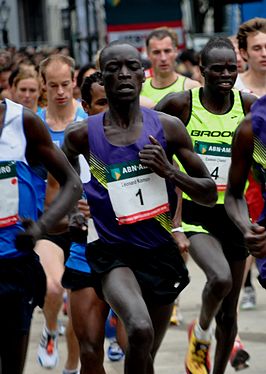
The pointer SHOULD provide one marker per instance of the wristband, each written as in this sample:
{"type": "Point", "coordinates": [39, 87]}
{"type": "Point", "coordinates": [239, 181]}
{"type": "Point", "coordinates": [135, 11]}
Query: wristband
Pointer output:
{"type": "Point", "coordinates": [178, 229]}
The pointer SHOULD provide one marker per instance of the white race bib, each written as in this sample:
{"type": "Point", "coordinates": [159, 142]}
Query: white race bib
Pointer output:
{"type": "Point", "coordinates": [136, 193]}
{"type": "Point", "coordinates": [9, 196]}
{"type": "Point", "coordinates": [217, 158]}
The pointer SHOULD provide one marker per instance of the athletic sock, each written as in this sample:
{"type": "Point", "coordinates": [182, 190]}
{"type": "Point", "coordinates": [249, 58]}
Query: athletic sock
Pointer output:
{"type": "Point", "coordinates": [202, 334]}
{"type": "Point", "coordinates": [66, 371]}
{"type": "Point", "coordinates": [52, 333]}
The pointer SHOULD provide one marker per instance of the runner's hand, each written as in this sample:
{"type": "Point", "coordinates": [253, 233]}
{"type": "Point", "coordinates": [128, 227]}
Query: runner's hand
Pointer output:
{"type": "Point", "coordinates": [84, 208]}
{"type": "Point", "coordinates": [78, 227]}
{"type": "Point", "coordinates": [25, 241]}
{"type": "Point", "coordinates": [154, 156]}
{"type": "Point", "coordinates": [182, 241]}
{"type": "Point", "coordinates": [255, 239]}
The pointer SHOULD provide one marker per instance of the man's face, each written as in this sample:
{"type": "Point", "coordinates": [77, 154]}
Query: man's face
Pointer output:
{"type": "Point", "coordinates": [98, 100]}
{"type": "Point", "coordinates": [59, 83]}
{"type": "Point", "coordinates": [220, 72]}
{"type": "Point", "coordinates": [255, 55]}
{"type": "Point", "coordinates": [162, 55]}
{"type": "Point", "coordinates": [241, 64]}
{"type": "Point", "coordinates": [122, 72]}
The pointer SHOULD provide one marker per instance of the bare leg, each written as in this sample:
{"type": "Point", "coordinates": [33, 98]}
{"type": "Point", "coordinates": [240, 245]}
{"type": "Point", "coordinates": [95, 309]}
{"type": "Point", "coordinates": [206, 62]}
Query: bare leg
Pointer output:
{"type": "Point", "coordinates": [72, 361]}
{"type": "Point", "coordinates": [121, 290]}
{"type": "Point", "coordinates": [208, 254]}
{"type": "Point", "coordinates": [160, 319]}
{"type": "Point", "coordinates": [226, 320]}
{"type": "Point", "coordinates": [89, 314]}
{"type": "Point", "coordinates": [52, 260]}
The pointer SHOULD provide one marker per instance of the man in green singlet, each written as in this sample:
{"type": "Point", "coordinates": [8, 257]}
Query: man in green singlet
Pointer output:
{"type": "Point", "coordinates": [162, 51]}
{"type": "Point", "coordinates": [211, 115]}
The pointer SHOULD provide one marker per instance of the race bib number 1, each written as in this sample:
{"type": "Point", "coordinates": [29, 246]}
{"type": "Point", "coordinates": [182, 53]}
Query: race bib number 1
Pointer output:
{"type": "Point", "coordinates": [9, 196]}
{"type": "Point", "coordinates": [217, 158]}
{"type": "Point", "coordinates": [136, 193]}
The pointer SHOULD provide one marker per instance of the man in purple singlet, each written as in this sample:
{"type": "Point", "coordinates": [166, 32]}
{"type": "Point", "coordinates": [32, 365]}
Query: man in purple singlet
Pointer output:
{"type": "Point", "coordinates": [136, 266]}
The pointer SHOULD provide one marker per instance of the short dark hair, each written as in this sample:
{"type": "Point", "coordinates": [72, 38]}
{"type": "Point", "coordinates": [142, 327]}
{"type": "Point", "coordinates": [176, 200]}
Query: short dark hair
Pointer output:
{"type": "Point", "coordinates": [254, 25]}
{"type": "Point", "coordinates": [82, 71]}
{"type": "Point", "coordinates": [161, 33]}
{"type": "Point", "coordinates": [215, 42]}
{"type": "Point", "coordinates": [86, 86]}
{"type": "Point", "coordinates": [113, 43]}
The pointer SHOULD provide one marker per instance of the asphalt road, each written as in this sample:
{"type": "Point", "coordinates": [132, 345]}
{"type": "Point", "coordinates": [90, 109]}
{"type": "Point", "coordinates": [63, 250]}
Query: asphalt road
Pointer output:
{"type": "Point", "coordinates": [170, 358]}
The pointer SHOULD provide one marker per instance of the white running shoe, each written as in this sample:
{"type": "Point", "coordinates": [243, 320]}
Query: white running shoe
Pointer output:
{"type": "Point", "coordinates": [61, 328]}
{"type": "Point", "coordinates": [114, 351]}
{"type": "Point", "coordinates": [248, 301]}
{"type": "Point", "coordinates": [48, 350]}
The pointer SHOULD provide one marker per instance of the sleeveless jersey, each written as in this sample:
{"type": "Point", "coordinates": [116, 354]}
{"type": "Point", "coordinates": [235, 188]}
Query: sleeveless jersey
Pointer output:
{"type": "Point", "coordinates": [128, 202]}
{"type": "Point", "coordinates": [259, 153]}
{"type": "Point", "coordinates": [58, 139]}
{"type": "Point", "coordinates": [212, 135]}
{"type": "Point", "coordinates": [156, 94]}
{"type": "Point", "coordinates": [19, 195]}
{"type": "Point", "coordinates": [58, 136]}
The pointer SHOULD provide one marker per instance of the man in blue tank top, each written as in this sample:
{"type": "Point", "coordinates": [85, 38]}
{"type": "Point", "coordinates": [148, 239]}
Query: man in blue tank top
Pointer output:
{"type": "Point", "coordinates": [25, 143]}
{"type": "Point", "coordinates": [211, 115]}
{"type": "Point", "coordinates": [136, 266]}
{"type": "Point", "coordinates": [57, 72]}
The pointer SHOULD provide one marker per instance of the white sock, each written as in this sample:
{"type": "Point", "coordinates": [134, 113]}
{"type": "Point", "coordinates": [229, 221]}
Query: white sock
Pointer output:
{"type": "Point", "coordinates": [53, 333]}
{"type": "Point", "coordinates": [201, 334]}
{"type": "Point", "coordinates": [66, 371]}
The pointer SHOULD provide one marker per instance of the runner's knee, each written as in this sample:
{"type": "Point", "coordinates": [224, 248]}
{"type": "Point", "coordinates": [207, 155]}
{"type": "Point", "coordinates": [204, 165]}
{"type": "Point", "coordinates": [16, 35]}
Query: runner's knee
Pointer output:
{"type": "Point", "coordinates": [220, 284]}
{"type": "Point", "coordinates": [141, 335]}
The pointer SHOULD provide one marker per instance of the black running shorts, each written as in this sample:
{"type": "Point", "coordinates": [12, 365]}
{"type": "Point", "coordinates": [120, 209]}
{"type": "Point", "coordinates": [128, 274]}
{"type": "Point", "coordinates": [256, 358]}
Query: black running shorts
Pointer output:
{"type": "Point", "coordinates": [22, 287]}
{"type": "Point", "coordinates": [216, 221]}
{"type": "Point", "coordinates": [75, 280]}
{"type": "Point", "coordinates": [160, 272]}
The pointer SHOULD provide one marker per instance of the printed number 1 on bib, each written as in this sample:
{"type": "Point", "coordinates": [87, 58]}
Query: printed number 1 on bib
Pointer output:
{"type": "Point", "coordinates": [136, 193]}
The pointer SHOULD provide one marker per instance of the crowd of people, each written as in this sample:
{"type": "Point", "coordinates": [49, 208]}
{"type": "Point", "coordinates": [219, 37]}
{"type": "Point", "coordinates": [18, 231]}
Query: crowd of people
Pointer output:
{"type": "Point", "coordinates": [112, 175]}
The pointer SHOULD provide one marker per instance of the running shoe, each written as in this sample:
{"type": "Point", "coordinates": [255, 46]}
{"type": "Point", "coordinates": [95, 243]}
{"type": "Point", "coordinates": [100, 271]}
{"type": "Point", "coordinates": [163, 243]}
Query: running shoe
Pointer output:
{"type": "Point", "coordinates": [48, 350]}
{"type": "Point", "coordinates": [248, 301]}
{"type": "Point", "coordinates": [61, 328]}
{"type": "Point", "coordinates": [114, 351]}
{"type": "Point", "coordinates": [239, 358]}
{"type": "Point", "coordinates": [176, 317]}
{"type": "Point", "coordinates": [198, 355]}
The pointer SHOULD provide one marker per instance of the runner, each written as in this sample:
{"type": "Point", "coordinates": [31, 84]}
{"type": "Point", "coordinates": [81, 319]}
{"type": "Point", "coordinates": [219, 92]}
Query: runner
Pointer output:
{"type": "Point", "coordinates": [211, 115]}
{"type": "Point", "coordinates": [248, 151]}
{"type": "Point", "coordinates": [24, 141]}
{"type": "Point", "coordinates": [141, 271]}
{"type": "Point", "coordinates": [162, 52]}
{"type": "Point", "coordinates": [57, 72]}
{"type": "Point", "coordinates": [252, 45]}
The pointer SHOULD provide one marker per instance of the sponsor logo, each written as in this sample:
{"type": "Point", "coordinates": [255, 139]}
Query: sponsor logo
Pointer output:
{"type": "Point", "coordinates": [212, 134]}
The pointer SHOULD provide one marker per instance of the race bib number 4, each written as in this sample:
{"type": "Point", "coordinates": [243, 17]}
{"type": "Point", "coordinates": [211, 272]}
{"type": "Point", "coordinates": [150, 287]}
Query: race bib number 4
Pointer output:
{"type": "Point", "coordinates": [217, 158]}
{"type": "Point", "coordinates": [136, 193]}
{"type": "Point", "coordinates": [9, 196]}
